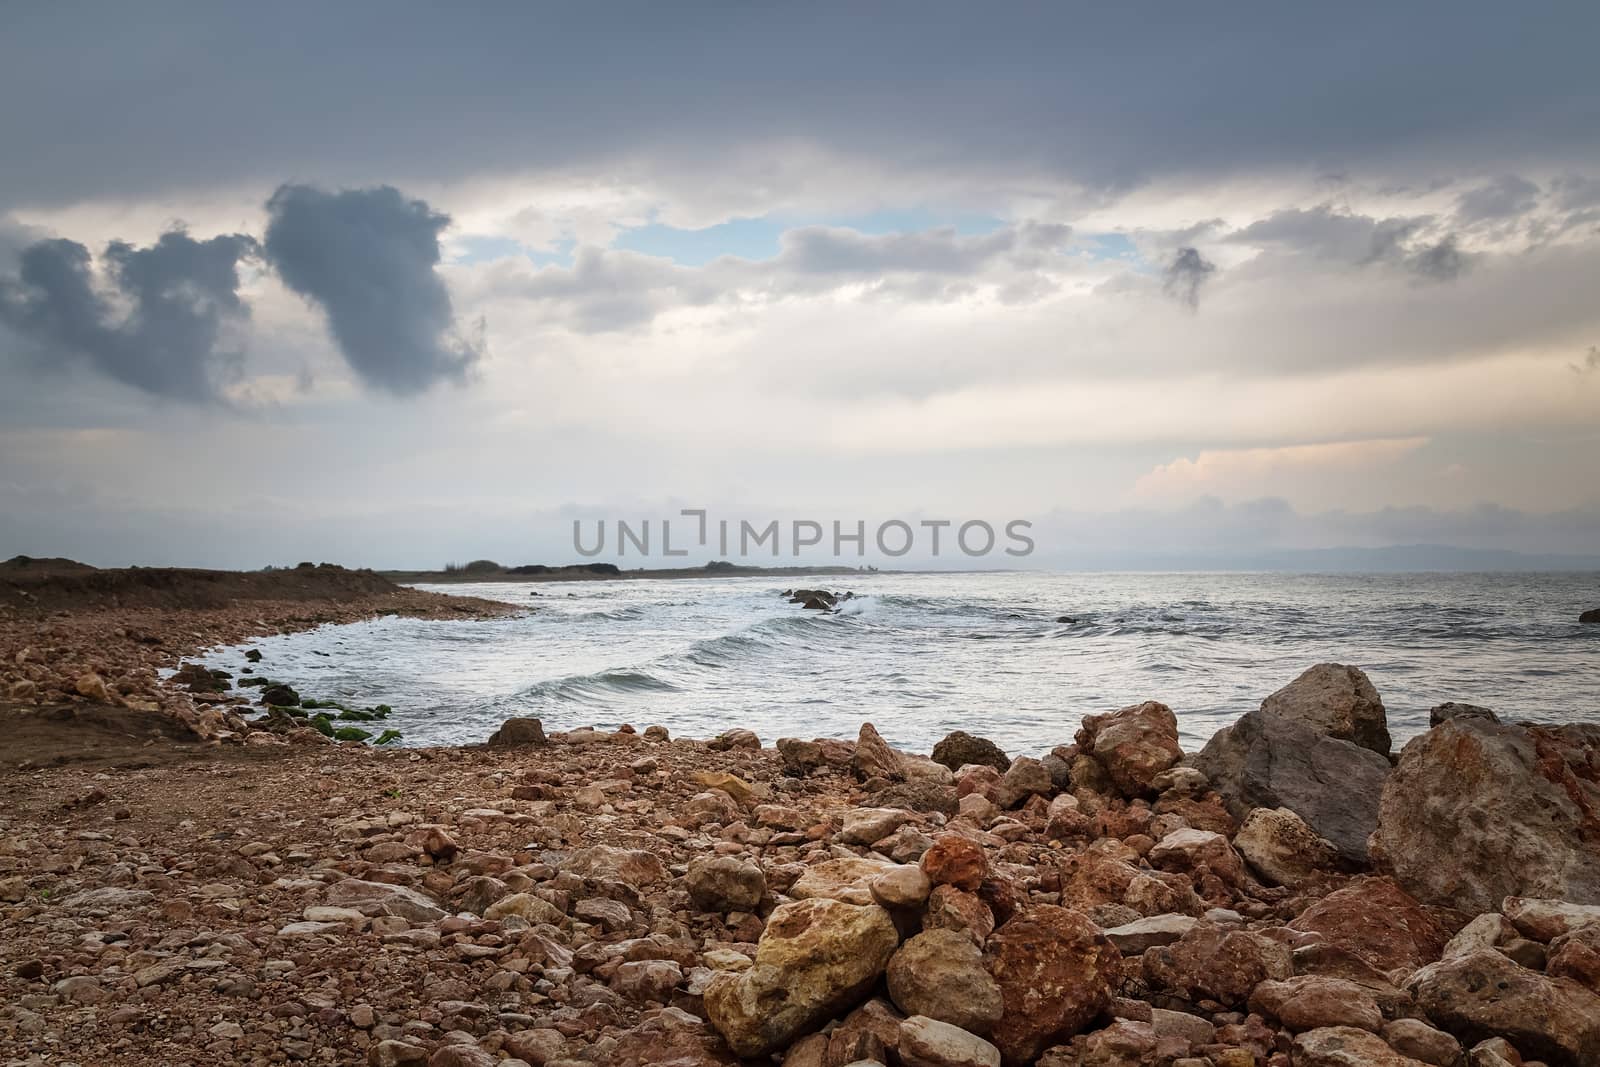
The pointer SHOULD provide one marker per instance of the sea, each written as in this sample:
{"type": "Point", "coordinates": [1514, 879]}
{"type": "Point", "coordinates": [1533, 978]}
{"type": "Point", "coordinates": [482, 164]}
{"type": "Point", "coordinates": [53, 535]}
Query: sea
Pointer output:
{"type": "Point", "coordinates": [1017, 657]}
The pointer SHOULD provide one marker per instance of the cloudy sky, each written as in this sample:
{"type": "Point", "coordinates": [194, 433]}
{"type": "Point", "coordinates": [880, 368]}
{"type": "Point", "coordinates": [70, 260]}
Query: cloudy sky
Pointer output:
{"type": "Point", "coordinates": [390, 285]}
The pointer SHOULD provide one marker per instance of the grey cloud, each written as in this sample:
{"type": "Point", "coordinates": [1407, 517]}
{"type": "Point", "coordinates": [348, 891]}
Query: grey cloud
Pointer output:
{"type": "Point", "coordinates": [164, 326]}
{"type": "Point", "coordinates": [1591, 362]}
{"type": "Point", "coordinates": [609, 289]}
{"type": "Point", "coordinates": [1184, 276]}
{"type": "Point", "coordinates": [1441, 262]}
{"type": "Point", "coordinates": [368, 257]}
{"type": "Point", "coordinates": [1505, 197]}
{"type": "Point", "coordinates": [1326, 233]}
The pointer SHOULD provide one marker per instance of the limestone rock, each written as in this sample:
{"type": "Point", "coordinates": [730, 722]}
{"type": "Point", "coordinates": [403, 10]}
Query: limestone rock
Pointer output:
{"type": "Point", "coordinates": [725, 883]}
{"type": "Point", "coordinates": [815, 958]}
{"type": "Point", "coordinates": [1484, 994]}
{"type": "Point", "coordinates": [1345, 1046]}
{"type": "Point", "coordinates": [848, 879]}
{"type": "Point", "coordinates": [1415, 1038]}
{"type": "Point", "coordinates": [1264, 761]}
{"type": "Point", "coordinates": [519, 731]}
{"type": "Point", "coordinates": [863, 826]}
{"type": "Point", "coordinates": [1135, 745]}
{"type": "Point", "coordinates": [1056, 972]}
{"type": "Point", "coordinates": [1280, 848]}
{"type": "Point", "coordinates": [380, 898]}
{"type": "Point", "coordinates": [1335, 700]}
{"type": "Point", "coordinates": [1313, 1001]}
{"type": "Point", "coordinates": [873, 758]}
{"type": "Point", "coordinates": [955, 860]}
{"type": "Point", "coordinates": [940, 974]}
{"type": "Point", "coordinates": [1378, 921]}
{"type": "Point", "coordinates": [1546, 920]}
{"type": "Point", "coordinates": [1133, 939]}
{"type": "Point", "coordinates": [1450, 709]}
{"type": "Point", "coordinates": [926, 1042]}
{"type": "Point", "coordinates": [1477, 811]}
{"type": "Point", "coordinates": [1212, 962]}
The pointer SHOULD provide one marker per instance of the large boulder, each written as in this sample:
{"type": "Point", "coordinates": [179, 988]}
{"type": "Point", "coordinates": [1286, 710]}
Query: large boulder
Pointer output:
{"type": "Point", "coordinates": [519, 731]}
{"type": "Point", "coordinates": [1485, 994]}
{"type": "Point", "coordinates": [961, 748]}
{"type": "Point", "coordinates": [815, 959]}
{"type": "Point", "coordinates": [873, 758]}
{"type": "Point", "coordinates": [1134, 745]}
{"type": "Point", "coordinates": [1211, 962]}
{"type": "Point", "coordinates": [1335, 701]}
{"type": "Point", "coordinates": [1265, 761]}
{"type": "Point", "coordinates": [1346, 1046]}
{"type": "Point", "coordinates": [1056, 973]}
{"type": "Point", "coordinates": [725, 883]}
{"type": "Point", "coordinates": [1378, 921]}
{"type": "Point", "coordinates": [1590, 617]}
{"type": "Point", "coordinates": [1477, 811]}
{"type": "Point", "coordinates": [940, 974]}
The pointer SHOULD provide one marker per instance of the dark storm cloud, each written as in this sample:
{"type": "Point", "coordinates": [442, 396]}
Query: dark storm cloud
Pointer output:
{"type": "Point", "coordinates": [161, 328]}
{"type": "Point", "coordinates": [368, 257]}
{"type": "Point", "coordinates": [1060, 91]}
{"type": "Point", "coordinates": [1505, 197]}
{"type": "Point", "coordinates": [1185, 275]}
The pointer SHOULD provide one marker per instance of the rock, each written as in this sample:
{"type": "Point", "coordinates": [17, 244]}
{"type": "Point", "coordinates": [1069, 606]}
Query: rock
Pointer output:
{"type": "Point", "coordinates": [610, 915]}
{"type": "Point", "coordinates": [1199, 852]}
{"type": "Point", "coordinates": [926, 1042]}
{"type": "Point", "coordinates": [940, 974]}
{"type": "Point", "coordinates": [815, 958]}
{"type": "Point", "coordinates": [740, 790]}
{"type": "Point", "coordinates": [725, 883]}
{"type": "Point", "coordinates": [391, 1053]}
{"type": "Point", "coordinates": [955, 860]}
{"type": "Point", "coordinates": [647, 980]}
{"type": "Point", "coordinates": [1477, 811]}
{"type": "Point", "coordinates": [1216, 963]}
{"type": "Point", "coordinates": [1452, 710]}
{"type": "Point", "coordinates": [634, 867]}
{"type": "Point", "coordinates": [380, 898]}
{"type": "Point", "coordinates": [281, 696]}
{"type": "Point", "coordinates": [1056, 972]}
{"type": "Point", "coordinates": [1025, 777]}
{"type": "Point", "coordinates": [91, 685]}
{"type": "Point", "coordinates": [1495, 1052]}
{"type": "Point", "coordinates": [1263, 761]}
{"type": "Point", "coordinates": [1134, 745]}
{"type": "Point", "coordinates": [873, 758]}
{"type": "Point", "coordinates": [1577, 956]}
{"type": "Point", "coordinates": [1415, 1038]}
{"type": "Point", "coordinates": [918, 794]}
{"type": "Point", "coordinates": [1313, 1001]}
{"type": "Point", "coordinates": [950, 908]}
{"type": "Point", "coordinates": [1377, 920]}
{"type": "Point", "coordinates": [799, 757]}
{"type": "Point", "coordinates": [848, 879]}
{"type": "Point", "coordinates": [1133, 939]}
{"type": "Point", "coordinates": [1335, 701]}
{"type": "Point", "coordinates": [903, 886]}
{"type": "Point", "coordinates": [462, 1056]}
{"type": "Point", "coordinates": [1590, 617]}
{"type": "Point", "coordinates": [1546, 920]}
{"type": "Point", "coordinates": [960, 748]}
{"type": "Point", "coordinates": [519, 731]}
{"type": "Point", "coordinates": [1345, 1046]}
{"type": "Point", "coordinates": [1280, 848]}
{"type": "Point", "coordinates": [526, 906]}
{"type": "Point", "coordinates": [22, 690]}
{"type": "Point", "coordinates": [735, 739]}
{"type": "Point", "coordinates": [1483, 994]}
{"type": "Point", "coordinates": [863, 826]}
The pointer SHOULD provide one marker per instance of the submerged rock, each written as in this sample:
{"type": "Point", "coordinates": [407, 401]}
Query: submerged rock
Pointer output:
{"type": "Point", "coordinates": [1478, 811]}
{"type": "Point", "coordinates": [815, 958]}
{"type": "Point", "coordinates": [1335, 700]}
{"type": "Point", "coordinates": [1590, 617]}
{"type": "Point", "coordinates": [1265, 761]}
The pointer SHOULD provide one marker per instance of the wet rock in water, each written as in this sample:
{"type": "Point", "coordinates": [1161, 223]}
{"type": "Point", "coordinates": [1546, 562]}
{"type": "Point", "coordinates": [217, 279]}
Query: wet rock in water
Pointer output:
{"type": "Point", "coordinates": [1216, 963]}
{"type": "Point", "coordinates": [1056, 973]}
{"type": "Point", "coordinates": [940, 974]}
{"type": "Point", "coordinates": [925, 1042]}
{"type": "Point", "coordinates": [960, 748]}
{"type": "Point", "coordinates": [281, 696]}
{"type": "Point", "coordinates": [1263, 761]}
{"type": "Point", "coordinates": [1450, 709]}
{"type": "Point", "coordinates": [1281, 849]}
{"type": "Point", "coordinates": [1346, 1046]}
{"type": "Point", "coordinates": [253, 655]}
{"type": "Point", "coordinates": [1484, 994]}
{"type": "Point", "coordinates": [519, 731]}
{"type": "Point", "coordinates": [1335, 700]}
{"type": "Point", "coordinates": [1590, 617]}
{"type": "Point", "coordinates": [873, 758]}
{"type": "Point", "coordinates": [815, 959]}
{"type": "Point", "coordinates": [1377, 920]}
{"type": "Point", "coordinates": [1134, 745]}
{"type": "Point", "coordinates": [1478, 811]}
{"type": "Point", "coordinates": [725, 883]}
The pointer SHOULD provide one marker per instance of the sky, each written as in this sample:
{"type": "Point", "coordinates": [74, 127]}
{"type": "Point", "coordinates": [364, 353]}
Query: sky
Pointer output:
{"type": "Point", "coordinates": [395, 284]}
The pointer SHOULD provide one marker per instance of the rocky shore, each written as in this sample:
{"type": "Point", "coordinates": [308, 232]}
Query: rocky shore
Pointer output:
{"type": "Point", "coordinates": [1296, 894]}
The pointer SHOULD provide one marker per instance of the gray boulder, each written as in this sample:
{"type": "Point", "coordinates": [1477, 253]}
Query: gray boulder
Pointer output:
{"type": "Point", "coordinates": [1337, 701]}
{"type": "Point", "coordinates": [1263, 761]}
{"type": "Point", "coordinates": [960, 748]}
{"type": "Point", "coordinates": [1450, 709]}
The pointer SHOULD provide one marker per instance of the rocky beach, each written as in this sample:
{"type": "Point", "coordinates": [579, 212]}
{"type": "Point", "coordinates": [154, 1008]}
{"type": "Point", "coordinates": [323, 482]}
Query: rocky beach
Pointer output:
{"type": "Point", "coordinates": [180, 884]}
